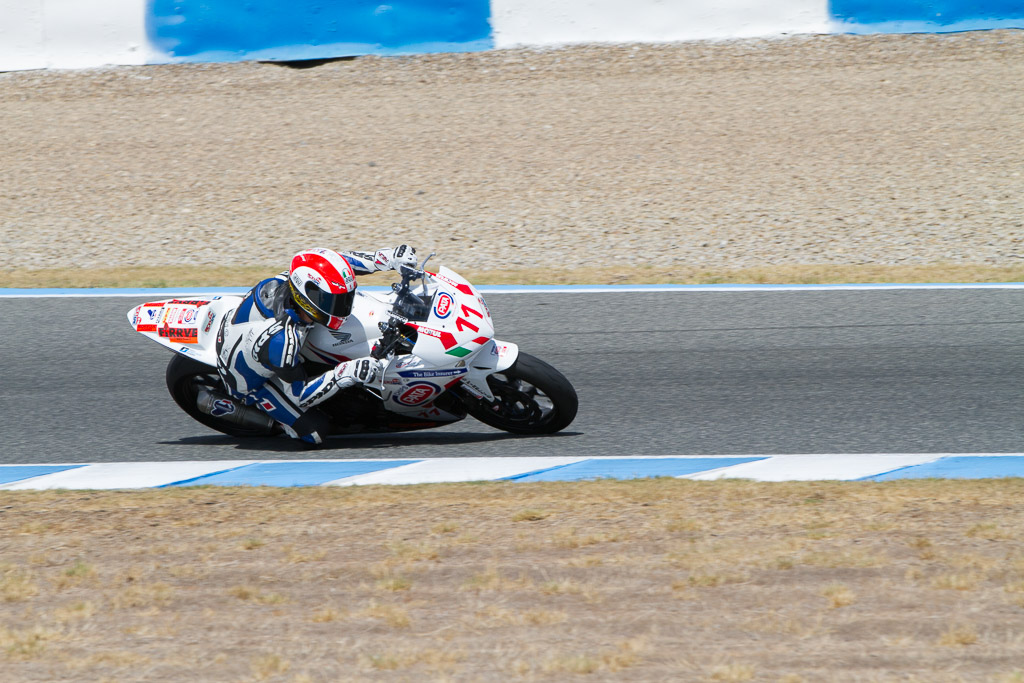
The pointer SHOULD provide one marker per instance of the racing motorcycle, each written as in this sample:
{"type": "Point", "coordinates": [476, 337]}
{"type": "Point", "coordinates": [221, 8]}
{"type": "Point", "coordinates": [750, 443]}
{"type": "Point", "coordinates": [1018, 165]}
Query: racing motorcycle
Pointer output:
{"type": "Point", "coordinates": [436, 339]}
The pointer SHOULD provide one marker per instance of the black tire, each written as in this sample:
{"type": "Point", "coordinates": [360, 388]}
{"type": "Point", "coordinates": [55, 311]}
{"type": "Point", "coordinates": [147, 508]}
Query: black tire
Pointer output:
{"type": "Point", "coordinates": [185, 376]}
{"type": "Point", "coordinates": [531, 397]}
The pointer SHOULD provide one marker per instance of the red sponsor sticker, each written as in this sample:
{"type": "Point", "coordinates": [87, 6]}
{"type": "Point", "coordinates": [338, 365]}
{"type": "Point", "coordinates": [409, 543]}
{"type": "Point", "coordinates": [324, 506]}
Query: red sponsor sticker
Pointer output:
{"type": "Point", "coordinates": [417, 393]}
{"type": "Point", "coordinates": [179, 335]}
{"type": "Point", "coordinates": [443, 306]}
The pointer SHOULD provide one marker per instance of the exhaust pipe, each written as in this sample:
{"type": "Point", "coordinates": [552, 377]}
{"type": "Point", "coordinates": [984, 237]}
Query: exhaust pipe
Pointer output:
{"type": "Point", "coordinates": [220, 406]}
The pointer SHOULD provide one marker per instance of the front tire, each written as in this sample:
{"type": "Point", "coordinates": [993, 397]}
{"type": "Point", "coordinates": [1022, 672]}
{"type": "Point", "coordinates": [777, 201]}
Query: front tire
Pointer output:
{"type": "Point", "coordinates": [185, 377]}
{"type": "Point", "coordinates": [531, 397]}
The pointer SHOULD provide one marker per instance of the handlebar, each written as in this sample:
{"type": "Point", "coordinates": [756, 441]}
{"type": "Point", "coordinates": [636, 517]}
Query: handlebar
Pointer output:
{"type": "Point", "coordinates": [406, 306]}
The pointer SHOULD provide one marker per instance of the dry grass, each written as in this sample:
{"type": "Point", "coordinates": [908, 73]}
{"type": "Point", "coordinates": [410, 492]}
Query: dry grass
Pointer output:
{"type": "Point", "coordinates": [16, 584]}
{"type": "Point", "coordinates": [959, 635]}
{"type": "Point", "coordinates": [198, 276]}
{"type": "Point", "coordinates": [251, 594]}
{"type": "Point", "coordinates": [838, 595]}
{"type": "Point", "coordinates": [624, 580]}
{"type": "Point", "coordinates": [732, 673]}
{"type": "Point", "coordinates": [26, 643]}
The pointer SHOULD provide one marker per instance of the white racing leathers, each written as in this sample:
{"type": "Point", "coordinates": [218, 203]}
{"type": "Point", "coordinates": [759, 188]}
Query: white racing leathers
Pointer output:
{"type": "Point", "coordinates": [258, 359]}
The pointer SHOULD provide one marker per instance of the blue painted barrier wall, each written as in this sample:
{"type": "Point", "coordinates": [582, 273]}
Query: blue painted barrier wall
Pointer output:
{"type": "Point", "coordinates": [227, 30]}
{"type": "Point", "coordinates": [916, 16]}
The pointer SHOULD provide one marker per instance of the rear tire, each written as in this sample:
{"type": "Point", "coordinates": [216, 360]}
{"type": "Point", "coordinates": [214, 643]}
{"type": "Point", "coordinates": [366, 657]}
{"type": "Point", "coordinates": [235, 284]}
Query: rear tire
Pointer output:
{"type": "Point", "coordinates": [531, 397]}
{"type": "Point", "coordinates": [185, 376]}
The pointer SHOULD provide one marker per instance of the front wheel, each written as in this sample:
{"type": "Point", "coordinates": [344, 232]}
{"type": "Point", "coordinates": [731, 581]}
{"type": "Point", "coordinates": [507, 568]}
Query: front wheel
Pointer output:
{"type": "Point", "coordinates": [186, 377]}
{"type": "Point", "coordinates": [531, 397]}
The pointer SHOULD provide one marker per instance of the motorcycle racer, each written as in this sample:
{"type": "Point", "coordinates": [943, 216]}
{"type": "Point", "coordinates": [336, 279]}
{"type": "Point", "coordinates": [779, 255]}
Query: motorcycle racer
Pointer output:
{"type": "Point", "coordinates": [259, 344]}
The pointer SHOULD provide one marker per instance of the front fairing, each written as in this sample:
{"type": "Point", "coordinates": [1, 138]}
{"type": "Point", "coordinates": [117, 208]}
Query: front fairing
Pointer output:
{"type": "Point", "coordinates": [458, 323]}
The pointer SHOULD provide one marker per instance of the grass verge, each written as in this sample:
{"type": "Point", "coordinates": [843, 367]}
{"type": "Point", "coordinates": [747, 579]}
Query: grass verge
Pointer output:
{"type": "Point", "coordinates": [658, 579]}
{"type": "Point", "coordinates": [239, 276]}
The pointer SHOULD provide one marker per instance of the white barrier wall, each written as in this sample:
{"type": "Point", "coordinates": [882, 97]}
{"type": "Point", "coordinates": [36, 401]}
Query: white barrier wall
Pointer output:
{"type": "Point", "coordinates": [21, 35]}
{"type": "Point", "coordinates": [71, 34]}
{"type": "Point", "coordinates": [561, 22]}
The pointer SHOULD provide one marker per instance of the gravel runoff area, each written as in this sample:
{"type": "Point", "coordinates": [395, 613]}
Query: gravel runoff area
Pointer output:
{"type": "Point", "coordinates": [738, 154]}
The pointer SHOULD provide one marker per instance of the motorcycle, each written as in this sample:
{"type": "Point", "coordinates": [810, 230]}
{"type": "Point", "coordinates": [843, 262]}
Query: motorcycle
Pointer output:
{"type": "Point", "coordinates": [442, 363]}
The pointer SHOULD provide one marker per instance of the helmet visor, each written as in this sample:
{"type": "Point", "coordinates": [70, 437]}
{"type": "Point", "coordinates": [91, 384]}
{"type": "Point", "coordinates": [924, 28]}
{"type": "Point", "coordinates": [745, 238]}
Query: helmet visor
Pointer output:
{"type": "Point", "coordinates": [335, 305]}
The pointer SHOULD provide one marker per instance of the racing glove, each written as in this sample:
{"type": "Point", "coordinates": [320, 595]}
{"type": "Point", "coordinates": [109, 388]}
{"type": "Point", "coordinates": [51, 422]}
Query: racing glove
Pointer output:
{"type": "Point", "coordinates": [360, 371]}
{"type": "Point", "coordinates": [395, 258]}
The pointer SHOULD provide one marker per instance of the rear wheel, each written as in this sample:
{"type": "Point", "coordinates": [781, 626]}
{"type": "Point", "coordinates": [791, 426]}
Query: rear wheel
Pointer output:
{"type": "Point", "coordinates": [531, 397]}
{"type": "Point", "coordinates": [186, 377]}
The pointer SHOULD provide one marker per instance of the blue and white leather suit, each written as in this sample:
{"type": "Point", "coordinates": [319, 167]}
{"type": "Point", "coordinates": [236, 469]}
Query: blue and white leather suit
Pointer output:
{"type": "Point", "coordinates": [259, 346]}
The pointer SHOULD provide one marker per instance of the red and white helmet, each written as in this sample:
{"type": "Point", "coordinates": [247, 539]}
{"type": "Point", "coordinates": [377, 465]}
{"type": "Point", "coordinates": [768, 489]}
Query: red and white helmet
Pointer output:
{"type": "Point", "coordinates": [323, 285]}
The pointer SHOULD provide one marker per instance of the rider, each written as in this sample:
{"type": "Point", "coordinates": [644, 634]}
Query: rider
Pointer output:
{"type": "Point", "coordinates": [258, 346]}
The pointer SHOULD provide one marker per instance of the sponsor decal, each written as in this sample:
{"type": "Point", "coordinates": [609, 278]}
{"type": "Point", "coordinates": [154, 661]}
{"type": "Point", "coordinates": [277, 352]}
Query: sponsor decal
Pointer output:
{"type": "Point", "coordinates": [433, 373]}
{"type": "Point", "coordinates": [189, 315]}
{"type": "Point", "coordinates": [136, 318]}
{"type": "Point", "coordinates": [484, 304]}
{"type": "Point", "coordinates": [447, 339]}
{"type": "Point", "coordinates": [179, 335]}
{"type": "Point", "coordinates": [307, 307]}
{"type": "Point", "coordinates": [266, 405]}
{"type": "Point", "coordinates": [190, 302]}
{"type": "Point", "coordinates": [429, 411]}
{"type": "Point", "coordinates": [473, 388]}
{"type": "Point", "coordinates": [443, 305]}
{"type": "Point", "coordinates": [223, 406]}
{"type": "Point", "coordinates": [340, 338]}
{"type": "Point", "coordinates": [153, 313]}
{"type": "Point", "coordinates": [465, 289]}
{"type": "Point", "coordinates": [502, 350]}
{"type": "Point", "coordinates": [417, 393]}
{"type": "Point", "coordinates": [210, 315]}
{"type": "Point", "coordinates": [494, 350]}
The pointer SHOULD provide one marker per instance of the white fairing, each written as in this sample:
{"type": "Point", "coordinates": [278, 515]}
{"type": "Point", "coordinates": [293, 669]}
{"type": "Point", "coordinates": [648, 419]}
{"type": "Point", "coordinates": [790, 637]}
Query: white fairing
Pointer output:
{"type": "Point", "coordinates": [356, 336]}
{"type": "Point", "coordinates": [455, 341]}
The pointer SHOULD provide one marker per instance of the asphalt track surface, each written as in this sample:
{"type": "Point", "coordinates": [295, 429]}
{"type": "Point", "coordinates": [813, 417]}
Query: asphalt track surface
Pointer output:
{"type": "Point", "coordinates": [912, 371]}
